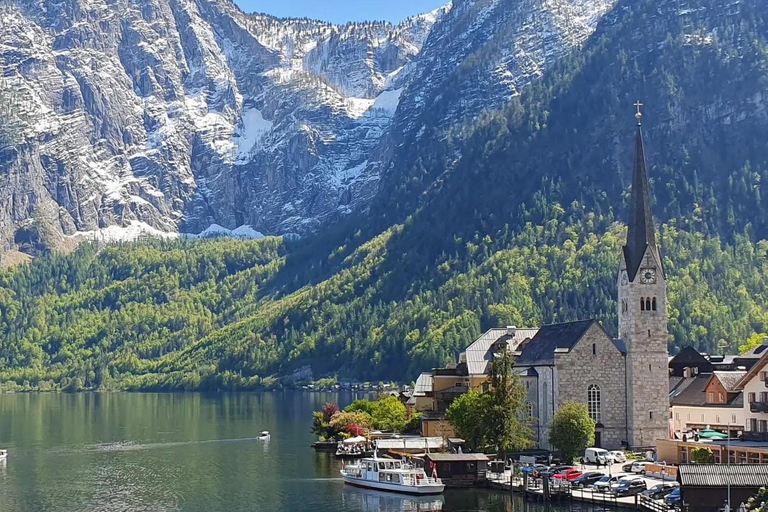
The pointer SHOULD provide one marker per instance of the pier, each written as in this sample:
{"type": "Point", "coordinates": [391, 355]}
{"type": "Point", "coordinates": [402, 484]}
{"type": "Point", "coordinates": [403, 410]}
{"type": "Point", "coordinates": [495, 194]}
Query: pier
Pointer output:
{"type": "Point", "coordinates": [544, 490]}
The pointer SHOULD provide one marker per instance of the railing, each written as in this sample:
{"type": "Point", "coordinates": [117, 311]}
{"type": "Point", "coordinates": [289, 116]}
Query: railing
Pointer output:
{"type": "Point", "coordinates": [648, 503]}
{"type": "Point", "coordinates": [758, 406]}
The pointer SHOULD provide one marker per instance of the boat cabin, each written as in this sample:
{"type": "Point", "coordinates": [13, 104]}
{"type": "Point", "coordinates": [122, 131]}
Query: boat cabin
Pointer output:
{"type": "Point", "coordinates": [459, 469]}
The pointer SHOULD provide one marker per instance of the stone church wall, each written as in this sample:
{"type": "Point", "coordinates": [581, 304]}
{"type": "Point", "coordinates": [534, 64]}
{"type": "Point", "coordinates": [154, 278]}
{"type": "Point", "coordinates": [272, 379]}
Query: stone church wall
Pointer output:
{"type": "Point", "coordinates": [579, 368]}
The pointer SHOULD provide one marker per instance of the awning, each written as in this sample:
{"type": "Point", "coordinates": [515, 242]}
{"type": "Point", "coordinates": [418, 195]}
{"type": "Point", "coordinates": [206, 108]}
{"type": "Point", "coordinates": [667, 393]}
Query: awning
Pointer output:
{"type": "Point", "coordinates": [355, 440]}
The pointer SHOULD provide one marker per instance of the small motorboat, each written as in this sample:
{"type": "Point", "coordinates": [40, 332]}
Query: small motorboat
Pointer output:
{"type": "Point", "coordinates": [3, 454]}
{"type": "Point", "coordinates": [391, 475]}
{"type": "Point", "coordinates": [264, 436]}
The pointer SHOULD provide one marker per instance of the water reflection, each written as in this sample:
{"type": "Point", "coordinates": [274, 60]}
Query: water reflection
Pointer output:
{"type": "Point", "coordinates": [366, 500]}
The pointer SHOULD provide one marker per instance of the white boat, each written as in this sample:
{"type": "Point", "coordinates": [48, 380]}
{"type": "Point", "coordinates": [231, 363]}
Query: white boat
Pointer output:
{"type": "Point", "coordinates": [3, 454]}
{"type": "Point", "coordinates": [390, 475]}
{"type": "Point", "coordinates": [264, 436]}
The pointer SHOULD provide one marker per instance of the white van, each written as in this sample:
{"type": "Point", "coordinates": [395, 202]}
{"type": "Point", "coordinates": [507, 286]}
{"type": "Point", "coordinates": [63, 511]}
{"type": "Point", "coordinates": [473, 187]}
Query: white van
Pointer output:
{"type": "Point", "coordinates": [595, 455]}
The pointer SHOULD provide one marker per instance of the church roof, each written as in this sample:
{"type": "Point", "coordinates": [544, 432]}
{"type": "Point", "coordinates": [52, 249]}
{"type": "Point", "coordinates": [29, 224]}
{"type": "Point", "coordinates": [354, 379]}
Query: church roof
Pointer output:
{"type": "Point", "coordinates": [640, 231]}
{"type": "Point", "coordinates": [541, 349]}
{"type": "Point", "coordinates": [481, 351]}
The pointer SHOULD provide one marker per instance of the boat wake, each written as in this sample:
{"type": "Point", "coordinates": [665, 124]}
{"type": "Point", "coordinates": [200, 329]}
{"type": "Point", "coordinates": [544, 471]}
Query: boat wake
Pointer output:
{"type": "Point", "coordinates": [129, 446]}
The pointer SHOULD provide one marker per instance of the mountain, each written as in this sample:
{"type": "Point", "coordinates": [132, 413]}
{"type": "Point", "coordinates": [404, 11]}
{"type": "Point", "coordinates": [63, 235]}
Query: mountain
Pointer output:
{"type": "Point", "coordinates": [166, 116]}
{"type": "Point", "coordinates": [510, 217]}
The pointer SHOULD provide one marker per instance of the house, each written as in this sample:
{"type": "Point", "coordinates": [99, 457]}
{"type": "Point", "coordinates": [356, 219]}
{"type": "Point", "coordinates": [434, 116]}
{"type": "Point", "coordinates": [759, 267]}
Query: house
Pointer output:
{"type": "Point", "coordinates": [707, 400]}
{"type": "Point", "coordinates": [458, 469]}
{"type": "Point", "coordinates": [435, 391]}
{"type": "Point", "coordinates": [707, 487]}
{"type": "Point", "coordinates": [753, 385]}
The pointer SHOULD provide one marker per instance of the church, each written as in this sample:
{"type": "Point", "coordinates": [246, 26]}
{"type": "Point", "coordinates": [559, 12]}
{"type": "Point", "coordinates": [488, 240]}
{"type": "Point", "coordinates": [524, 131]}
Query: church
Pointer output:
{"type": "Point", "coordinates": [623, 381]}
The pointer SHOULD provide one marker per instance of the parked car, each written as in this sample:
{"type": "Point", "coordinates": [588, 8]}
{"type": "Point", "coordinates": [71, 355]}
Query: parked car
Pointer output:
{"type": "Point", "coordinates": [639, 466]}
{"type": "Point", "coordinates": [597, 455]}
{"type": "Point", "coordinates": [619, 456]}
{"type": "Point", "coordinates": [674, 498]}
{"type": "Point", "coordinates": [553, 470]}
{"type": "Point", "coordinates": [587, 478]}
{"type": "Point", "coordinates": [658, 491]}
{"type": "Point", "coordinates": [627, 468]}
{"type": "Point", "coordinates": [567, 474]}
{"type": "Point", "coordinates": [605, 483]}
{"type": "Point", "coordinates": [629, 486]}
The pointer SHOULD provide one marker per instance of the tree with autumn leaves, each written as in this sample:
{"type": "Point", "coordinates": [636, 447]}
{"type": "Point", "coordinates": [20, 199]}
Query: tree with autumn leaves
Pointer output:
{"type": "Point", "coordinates": [387, 414]}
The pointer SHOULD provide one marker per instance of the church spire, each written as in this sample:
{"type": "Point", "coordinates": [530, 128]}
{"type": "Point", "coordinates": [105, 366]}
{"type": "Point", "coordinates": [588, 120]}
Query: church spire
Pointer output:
{"type": "Point", "coordinates": [641, 232]}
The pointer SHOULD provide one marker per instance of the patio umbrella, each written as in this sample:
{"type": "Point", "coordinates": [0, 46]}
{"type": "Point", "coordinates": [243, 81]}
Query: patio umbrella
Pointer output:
{"type": "Point", "coordinates": [712, 434]}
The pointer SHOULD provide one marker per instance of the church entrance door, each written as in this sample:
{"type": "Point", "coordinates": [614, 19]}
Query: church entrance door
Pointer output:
{"type": "Point", "coordinates": [598, 439]}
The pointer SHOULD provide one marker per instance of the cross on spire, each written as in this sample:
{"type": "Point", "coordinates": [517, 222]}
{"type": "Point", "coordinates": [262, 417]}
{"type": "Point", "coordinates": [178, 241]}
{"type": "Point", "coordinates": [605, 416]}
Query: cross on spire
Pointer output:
{"type": "Point", "coordinates": [639, 114]}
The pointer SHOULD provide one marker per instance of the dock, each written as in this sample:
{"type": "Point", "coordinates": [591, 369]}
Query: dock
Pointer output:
{"type": "Point", "coordinates": [556, 491]}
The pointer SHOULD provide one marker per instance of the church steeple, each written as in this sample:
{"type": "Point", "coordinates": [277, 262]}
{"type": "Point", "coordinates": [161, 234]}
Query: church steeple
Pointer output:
{"type": "Point", "coordinates": [641, 232]}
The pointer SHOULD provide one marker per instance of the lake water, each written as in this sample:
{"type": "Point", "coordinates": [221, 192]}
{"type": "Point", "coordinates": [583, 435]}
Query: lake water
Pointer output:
{"type": "Point", "coordinates": [112, 452]}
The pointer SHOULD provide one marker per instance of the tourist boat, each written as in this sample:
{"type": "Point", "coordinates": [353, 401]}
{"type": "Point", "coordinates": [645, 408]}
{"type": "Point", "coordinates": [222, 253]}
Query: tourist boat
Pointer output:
{"type": "Point", "coordinates": [3, 454]}
{"type": "Point", "coordinates": [391, 475]}
{"type": "Point", "coordinates": [264, 436]}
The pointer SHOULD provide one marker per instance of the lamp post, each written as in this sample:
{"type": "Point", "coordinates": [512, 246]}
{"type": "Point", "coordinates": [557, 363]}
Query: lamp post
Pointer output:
{"type": "Point", "coordinates": [728, 477]}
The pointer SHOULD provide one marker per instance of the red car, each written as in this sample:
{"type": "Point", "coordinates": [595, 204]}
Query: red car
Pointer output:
{"type": "Point", "coordinates": [569, 474]}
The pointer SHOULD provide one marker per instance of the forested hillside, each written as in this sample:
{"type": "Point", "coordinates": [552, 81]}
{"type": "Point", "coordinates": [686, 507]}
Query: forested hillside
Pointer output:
{"type": "Point", "coordinates": [515, 219]}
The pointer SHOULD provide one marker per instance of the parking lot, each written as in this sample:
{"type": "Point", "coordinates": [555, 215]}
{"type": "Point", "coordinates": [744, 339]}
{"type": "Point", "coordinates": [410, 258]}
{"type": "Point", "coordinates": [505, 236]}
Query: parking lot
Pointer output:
{"type": "Point", "coordinates": [612, 470]}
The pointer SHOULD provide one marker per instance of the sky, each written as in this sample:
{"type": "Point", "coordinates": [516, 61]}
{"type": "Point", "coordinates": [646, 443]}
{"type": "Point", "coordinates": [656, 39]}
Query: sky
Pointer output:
{"type": "Point", "coordinates": [341, 11]}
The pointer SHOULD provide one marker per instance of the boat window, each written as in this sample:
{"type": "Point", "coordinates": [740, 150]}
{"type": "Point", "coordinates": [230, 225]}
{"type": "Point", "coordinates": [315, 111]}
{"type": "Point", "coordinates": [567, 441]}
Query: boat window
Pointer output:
{"type": "Point", "coordinates": [389, 465]}
{"type": "Point", "coordinates": [397, 465]}
{"type": "Point", "coordinates": [381, 465]}
{"type": "Point", "coordinates": [396, 479]}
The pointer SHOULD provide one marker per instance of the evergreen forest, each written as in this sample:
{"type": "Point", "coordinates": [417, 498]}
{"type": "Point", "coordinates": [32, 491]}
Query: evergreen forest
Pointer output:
{"type": "Point", "coordinates": [515, 218]}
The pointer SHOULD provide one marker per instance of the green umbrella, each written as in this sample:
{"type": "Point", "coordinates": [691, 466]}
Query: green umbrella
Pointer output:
{"type": "Point", "coordinates": [712, 434]}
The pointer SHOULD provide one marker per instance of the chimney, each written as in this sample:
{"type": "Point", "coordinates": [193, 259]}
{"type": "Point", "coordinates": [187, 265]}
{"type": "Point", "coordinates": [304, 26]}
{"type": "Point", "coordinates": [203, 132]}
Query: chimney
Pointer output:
{"type": "Point", "coordinates": [512, 328]}
{"type": "Point", "coordinates": [686, 372]}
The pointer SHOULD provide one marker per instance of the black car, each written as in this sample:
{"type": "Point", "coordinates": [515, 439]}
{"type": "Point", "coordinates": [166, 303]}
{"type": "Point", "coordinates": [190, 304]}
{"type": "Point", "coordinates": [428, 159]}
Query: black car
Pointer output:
{"type": "Point", "coordinates": [586, 479]}
{"type": "Point", "coordinates": [627, 468]}
{"type": "Point", "coordinates": [658, 491]}
{"type": "Point", "coordinates": [629, 487]}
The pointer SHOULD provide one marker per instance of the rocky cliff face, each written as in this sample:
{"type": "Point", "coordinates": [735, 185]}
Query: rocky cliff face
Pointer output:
{"type": "Point", "coordinates": [168, 116]}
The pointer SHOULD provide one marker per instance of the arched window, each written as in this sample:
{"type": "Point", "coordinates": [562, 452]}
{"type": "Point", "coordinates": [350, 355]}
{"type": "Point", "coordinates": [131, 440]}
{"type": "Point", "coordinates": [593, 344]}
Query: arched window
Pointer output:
{"type": "Point", "coordinates": [593, 402]}
{"type": "Point", "coordinates": [653, 306]}
{"type": "Point", "coordinates": [642, 304]}
{"type": "Point", "coordinates": [647, 304]}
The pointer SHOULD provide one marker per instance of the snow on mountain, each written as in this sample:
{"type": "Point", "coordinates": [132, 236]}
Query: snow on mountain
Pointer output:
{"type": "Point", "coordinates": [176, 115]}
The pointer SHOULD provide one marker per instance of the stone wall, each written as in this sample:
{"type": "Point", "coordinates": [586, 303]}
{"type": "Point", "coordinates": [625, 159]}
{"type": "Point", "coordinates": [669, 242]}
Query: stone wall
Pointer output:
{"type": "Point", "coordinates": [596, 360]}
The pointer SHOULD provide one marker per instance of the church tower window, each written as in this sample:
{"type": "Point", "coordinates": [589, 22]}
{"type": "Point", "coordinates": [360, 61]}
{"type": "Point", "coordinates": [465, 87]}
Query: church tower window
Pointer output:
{"type": "Point", "coordinates": [647, 304]}
{"type": "Point", "coordinates": [642, 303]}
{"type": "Point", "coordinates": [653, 304]}
{"type": "Point", "coordinates": [593, 402]}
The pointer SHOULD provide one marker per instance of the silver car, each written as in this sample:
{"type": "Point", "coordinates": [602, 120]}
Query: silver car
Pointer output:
{"type": "Point", "coordinates": [605, 483]}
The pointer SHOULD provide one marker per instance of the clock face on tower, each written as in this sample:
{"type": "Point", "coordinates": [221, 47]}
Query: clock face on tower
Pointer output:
{"type": "Point", "coordinates": [648, 275]}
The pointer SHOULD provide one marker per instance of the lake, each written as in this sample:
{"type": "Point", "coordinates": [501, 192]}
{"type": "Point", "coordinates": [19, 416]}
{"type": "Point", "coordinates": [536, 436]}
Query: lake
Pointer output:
{"type": "Point", "coordinates": [111, 452]}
